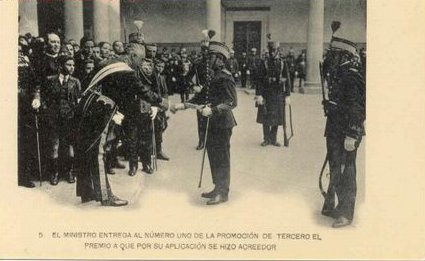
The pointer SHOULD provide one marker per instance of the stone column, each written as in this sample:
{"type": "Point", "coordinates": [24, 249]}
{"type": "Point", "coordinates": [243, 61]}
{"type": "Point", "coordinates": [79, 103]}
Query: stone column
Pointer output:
{"type": "Point", "coordinates": [114, 20]}
{"type": "Point", "coordinates": [28, 22]}
{"type": "Point", "coordinates": [101, 20]}
{"type": "Point", "coordinates": [214, 18]}
{"type": "Point", "coordinates": [314, 45]}
{"type": "Point", "coordinates": [73, 15]}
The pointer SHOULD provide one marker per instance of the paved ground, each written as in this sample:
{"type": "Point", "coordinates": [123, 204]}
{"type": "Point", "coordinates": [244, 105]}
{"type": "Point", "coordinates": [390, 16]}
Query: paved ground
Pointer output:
{"type": "Point", "coordinates": [270, 172]}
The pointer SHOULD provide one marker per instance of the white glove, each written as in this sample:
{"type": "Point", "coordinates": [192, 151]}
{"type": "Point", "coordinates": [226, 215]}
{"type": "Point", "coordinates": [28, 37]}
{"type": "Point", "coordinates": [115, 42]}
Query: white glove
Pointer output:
{"type": "Point", "coordinates": [177, 106]}
{"type": "Point", "coordinates": [118, 117]}
{"type": "Point", "coordinates": [259, 100]}
{"type": "Point", "coordinates": [236, 75]}
{"type": "Point", "coordinates": [154, 112]}
{"type": "Point", "coordinates": [206, 111]}
{"type": "Point", "coordinates": [349, 144]}
{"type": "Point", "coordinates": [197, 88]}
{"type": "Point", "coordinates": [36, 104]}
{"type": "Point", "coordinates": [287, 100]}
{"type": "Point", "coordinates": [247, 72]}
{"type": "Point", "coordinates": [173, 79]}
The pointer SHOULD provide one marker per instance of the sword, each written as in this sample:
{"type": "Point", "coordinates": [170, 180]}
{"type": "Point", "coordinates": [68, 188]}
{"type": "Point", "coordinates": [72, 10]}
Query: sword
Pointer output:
{"type": "Point", "coordinates": [38, 146]}
{"type": "Point", "coordinates": [322, 191]}
{"type": "Point", "coordinates": [153, 155]}
{"type": "Point", "coordinates": [203, 155]}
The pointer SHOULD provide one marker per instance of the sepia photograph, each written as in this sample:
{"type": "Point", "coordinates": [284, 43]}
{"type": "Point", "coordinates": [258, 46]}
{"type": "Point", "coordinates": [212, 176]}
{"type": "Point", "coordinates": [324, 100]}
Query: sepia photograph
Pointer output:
{"type": "Point", "coordinates": [200, 129]}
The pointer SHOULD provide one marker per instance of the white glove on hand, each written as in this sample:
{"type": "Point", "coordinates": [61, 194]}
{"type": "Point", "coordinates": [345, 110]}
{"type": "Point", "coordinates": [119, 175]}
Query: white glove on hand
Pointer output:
{"type": "Point", "coordinates": [118, 117]}
{"type": "Point", "coordinates": [287, 100]}
{"type": "Point", "coordinates": [236, 75]}
{"type": "Point", "coordinates": [259, 100]}
{"type": "Point", "coordinates": [197, 88]}
{"type": "Point", "coordinates": [349, 144]}
{"type": "Point", "coordinates": [176, 107]}
{"type": "Point", "coordinates": [36, 104]}
{"type": "Point", "coordinates": [247, 72]}
{"type": "Point", "coordinates": [154, 112]}
{"type": "Point", "coordinates": [206, 111]}
{"type": "Point", "coordinates": [173, 79]}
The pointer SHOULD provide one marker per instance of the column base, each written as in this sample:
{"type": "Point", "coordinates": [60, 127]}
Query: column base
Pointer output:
{"type": "Point", "coordinates": [311, 88]}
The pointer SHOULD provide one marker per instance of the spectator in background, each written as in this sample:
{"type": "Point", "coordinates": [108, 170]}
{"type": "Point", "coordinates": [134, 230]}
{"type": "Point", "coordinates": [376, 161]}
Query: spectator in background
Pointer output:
{"type": "Point", "coordinates": [118, 48]}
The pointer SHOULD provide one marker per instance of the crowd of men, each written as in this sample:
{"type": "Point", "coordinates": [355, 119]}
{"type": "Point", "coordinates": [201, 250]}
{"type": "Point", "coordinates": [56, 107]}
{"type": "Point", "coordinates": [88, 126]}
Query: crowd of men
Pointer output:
{"type": "Point", "coordinates": [82, 105]}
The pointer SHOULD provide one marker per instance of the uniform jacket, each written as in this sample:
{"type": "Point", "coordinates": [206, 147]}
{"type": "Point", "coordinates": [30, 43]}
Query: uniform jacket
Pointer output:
{"type": "Point", "coordinates": [346, 108]}
{"type": "Point", "coordinates": [243, 64]}
{"type": "Point", "coordinates": [222, 99]}
{"type": "Point", "coordinates": [273, 88]}
{"type": "Point", "coordinates": [232, 65]}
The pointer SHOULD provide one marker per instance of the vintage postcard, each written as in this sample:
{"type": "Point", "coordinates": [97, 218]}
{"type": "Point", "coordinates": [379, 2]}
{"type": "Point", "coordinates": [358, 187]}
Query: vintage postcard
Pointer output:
{"type": "Point", "coordinates": [212, 129]}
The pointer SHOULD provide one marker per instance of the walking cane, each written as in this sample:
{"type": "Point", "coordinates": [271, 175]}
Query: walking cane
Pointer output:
{"type": "Point", "coordinates": [38, 145]}
{"type": "Point", "coordinates": [203, 155]}
{"type": "Point", "coordinates": [153, 156]}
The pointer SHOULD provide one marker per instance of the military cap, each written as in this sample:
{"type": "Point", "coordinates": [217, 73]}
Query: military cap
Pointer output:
{"type": "Point", "coordinates": [273, 45]}
{"type": "Point", "coordinates": [151, 47]}
{"type": "Point", "coordinates": [137, 37]}
{"type": "Point", "coordinates": [253, 49]}
{"type": "Point", "coordinates": [220, 48]}
{"type": "Point", "coordinates": [338, 43]}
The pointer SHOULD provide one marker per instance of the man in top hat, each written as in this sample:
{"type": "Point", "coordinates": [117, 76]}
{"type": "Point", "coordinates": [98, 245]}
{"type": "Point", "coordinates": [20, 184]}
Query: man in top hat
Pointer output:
{"type": "Point", "coordinates": [345, 111]}
{"type": "Point", "coordinates": [218, 104]}
{"type": "Point", "coordinates": [271, 92]}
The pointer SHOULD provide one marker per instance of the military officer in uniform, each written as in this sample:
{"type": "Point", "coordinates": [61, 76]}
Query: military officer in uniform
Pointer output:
{"type": "Point", "coordinates": [345, 110]}
{"type": "Point", "coordinates": [27, 152]}
{"type": "Point", "coordinates": [160, 87]}
{"type": "Point", "coordinates": [243, 67]}
{"type": "Point", "coordinates": [271, 94]}
{"type": "Point", "coordinates": [220, 100]}
{"type": "Point", "coordinates": [232, 65]}
{"type": "Point", "coordinates": [292, 66]}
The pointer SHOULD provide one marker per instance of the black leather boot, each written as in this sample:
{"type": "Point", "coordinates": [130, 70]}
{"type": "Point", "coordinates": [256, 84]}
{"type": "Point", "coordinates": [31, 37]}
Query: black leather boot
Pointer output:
{"type": "Point", "coordinates": [70, 169]}
{"type": "Point", "coordinates": [54, 177]}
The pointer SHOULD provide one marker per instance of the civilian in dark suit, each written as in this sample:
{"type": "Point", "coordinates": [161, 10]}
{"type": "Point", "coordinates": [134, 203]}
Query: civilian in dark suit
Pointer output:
{"type": "Point", "coordinates": [58, 98]}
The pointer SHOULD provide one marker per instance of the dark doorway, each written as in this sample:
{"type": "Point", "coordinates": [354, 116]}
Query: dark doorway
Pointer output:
{"type": "Point", "coordinates": [246, 35]}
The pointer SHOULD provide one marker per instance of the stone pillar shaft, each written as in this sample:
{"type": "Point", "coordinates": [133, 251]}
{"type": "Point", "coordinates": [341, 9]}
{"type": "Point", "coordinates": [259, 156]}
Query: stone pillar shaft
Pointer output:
{"type": "Point", "coordinates": [101, 20]}
{"type": "Point", "coordinates": [114, 20]}
{"type": "Point", "coordinates": [73, 15]}
{"type": "Point", "coordinates": [28, 22]}
{"type": "Point", "coordinates": [214, 17]}
{"type": "Point", "coordinates": [315, 42]}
